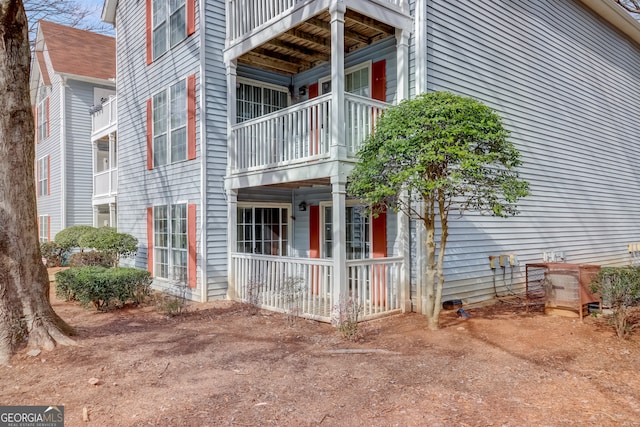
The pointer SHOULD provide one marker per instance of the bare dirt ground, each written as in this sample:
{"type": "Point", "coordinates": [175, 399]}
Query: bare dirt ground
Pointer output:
{"type": "Point", "coordinates": [220, 365]}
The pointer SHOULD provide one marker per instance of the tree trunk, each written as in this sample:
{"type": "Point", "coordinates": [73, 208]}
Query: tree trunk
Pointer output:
{"type": "Point", "coordinates": [26, 315]}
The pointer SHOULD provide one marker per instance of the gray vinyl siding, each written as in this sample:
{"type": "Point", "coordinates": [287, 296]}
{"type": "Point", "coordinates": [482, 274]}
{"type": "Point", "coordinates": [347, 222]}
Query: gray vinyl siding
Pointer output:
{"type": "Point", "coordinates": [79, 170]}
{"type": "Point", "coordinates": [216, 150]}
{"type": "Point", "coordinates": [563, 80]}
{"type": "Point", "coordinates": [139, 188]}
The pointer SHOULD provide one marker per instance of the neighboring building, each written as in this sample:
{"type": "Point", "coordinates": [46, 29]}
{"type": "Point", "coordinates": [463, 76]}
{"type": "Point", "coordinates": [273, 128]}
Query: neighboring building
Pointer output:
{"type": "Point", "coordinates": [72, 70]}
{"type": "Point", "coordinates": [237, 136]}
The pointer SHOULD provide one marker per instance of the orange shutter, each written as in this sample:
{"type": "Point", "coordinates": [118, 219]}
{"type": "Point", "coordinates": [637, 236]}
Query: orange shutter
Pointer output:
{"type": "Point", "coordinates": [191, 17]}
{"type": "Point", "coordinates": [48, 175]}
{"type": "Point", "coordinates": [149, 134]}
{"type": "Point", "coordinates": [150, 240]}
{"type": "Point", "coordinates": [191, 244]}
{"type": "Point", "coordinates": [314, 145]}
{"type": "Point", "coordinates": [379, 235]}
{"type": "Point", "coordinates": [191, 117]}
{"type": "Point", "coordinates": [314, 246]}
{"type": "Point", "coordinates": [148, 24]}
{"type": "Point", "coordinates": [379, 80]}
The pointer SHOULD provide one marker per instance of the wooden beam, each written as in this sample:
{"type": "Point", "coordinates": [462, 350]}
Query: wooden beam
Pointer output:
{"type": "Point", "coordinates": [348, 34]}
{"type": "Point", "coordinates": [371, 23]}
{"type": "Point", "coordinates": [322, 44]}
{"type": "Point", "coordinates": [252, 58]}
{"type": "Point", "coordinates": [297, 51]}
{"type": "Point", "coordinates": [281, 57]}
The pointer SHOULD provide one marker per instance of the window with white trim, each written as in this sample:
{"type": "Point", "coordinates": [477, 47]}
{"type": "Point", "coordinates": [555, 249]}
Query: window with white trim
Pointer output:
{"type": "Point", "coordinates": [43, 176]}
{"type": "Point", "coordinates": [255, 99]}
{"type": "Point", "coordinates": [358, 232]}
{"type": "Point", "coordinates": [44, 228]}
{"type": "Point", "coordinates": [357, 80]}
{"type": "Point", "coordinates": [170, 242]}
{"type": "Point", "coordinates": [170, 124]}
{"type": "Point", "coordinates": [169, 25]}
{"type": "Point", "coordinates": [43, 127]}
{"type": "Point", "coordinates": [263, 230]}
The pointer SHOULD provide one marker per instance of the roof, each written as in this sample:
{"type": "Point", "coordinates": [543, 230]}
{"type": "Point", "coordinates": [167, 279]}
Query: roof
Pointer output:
{"type": "Point", "coordinates": [43, 68]}
{"type": "Point", "coordinates": [79, 52]}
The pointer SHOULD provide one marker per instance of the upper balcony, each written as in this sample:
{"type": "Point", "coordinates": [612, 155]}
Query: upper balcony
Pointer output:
{"type": "Point", "coordinates": [294, 35]}
{"type": "Point", "coordinates": [104, 118]}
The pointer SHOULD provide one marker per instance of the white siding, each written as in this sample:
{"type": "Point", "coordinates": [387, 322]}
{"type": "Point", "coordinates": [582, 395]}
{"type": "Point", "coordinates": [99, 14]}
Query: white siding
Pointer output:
{"type": "Point", "coordinates": [564, 81]}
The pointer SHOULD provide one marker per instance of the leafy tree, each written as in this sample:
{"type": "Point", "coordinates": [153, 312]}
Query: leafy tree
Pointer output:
{"type": "Point", "coordinates": [436, 154]}
{"type": "Point", "coordinates": [69, 238]}
{"type": "Point", "coordinates": [25, 311]}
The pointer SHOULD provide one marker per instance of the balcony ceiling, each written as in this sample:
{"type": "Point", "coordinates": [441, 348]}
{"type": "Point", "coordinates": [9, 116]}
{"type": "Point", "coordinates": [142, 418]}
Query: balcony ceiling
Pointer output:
{"type": "Point", "coordinates": [309, 43]}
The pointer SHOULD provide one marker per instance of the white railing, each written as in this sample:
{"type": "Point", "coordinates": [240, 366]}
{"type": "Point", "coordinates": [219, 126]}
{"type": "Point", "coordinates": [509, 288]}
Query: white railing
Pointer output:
{"type": "Point", "coordinates": [302, 286]}
{"type": "Point", "coordinates": [299, 286]}
{"type": "Point", "coordinates": [300, 133]}
{"type": "Point", "coordinates": [374, 285]}
{"type": "Point", "coordinates": [105, 183]}
{"type": "Point", "coordinates": [105, 117]}
{"type": "Point", "coordinates": [361, 115]}
{"type": "Point", "coordinates": [243, 16]}
{"type": "Point", "coordinates": [296, 134]}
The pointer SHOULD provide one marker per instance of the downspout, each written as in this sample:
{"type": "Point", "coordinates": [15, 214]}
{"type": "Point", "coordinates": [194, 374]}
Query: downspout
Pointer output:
{"type": "Point", "coordinates": [204, 290]}
{"type": "Point", "coordinates": [63, 154]}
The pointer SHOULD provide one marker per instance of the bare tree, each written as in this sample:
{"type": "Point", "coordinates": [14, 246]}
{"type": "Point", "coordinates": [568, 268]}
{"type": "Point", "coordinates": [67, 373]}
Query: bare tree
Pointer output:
{"type": "Point", "coordinates": [632, 6]}
{"type": "Point", "coordinates": [26, 315]}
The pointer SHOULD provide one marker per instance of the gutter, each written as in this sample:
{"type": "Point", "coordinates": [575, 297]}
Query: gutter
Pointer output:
{"type": "Point", "coordinates": [63, 154]}
{"type": "Point", "coordinates": [203, 158]}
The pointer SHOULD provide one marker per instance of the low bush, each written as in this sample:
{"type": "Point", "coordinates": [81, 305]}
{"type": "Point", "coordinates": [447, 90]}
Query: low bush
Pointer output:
{"type": "Point", "coordinates": [104, 288]}
{"type": "Point", "coordinates": [108, 241]}
{"type": "Point", "coordinates": [54, 254]}
{"type": "Point", "coordinates": [69, 238]}
{"type": "Point", "coordinates": [90, 259]}
{"type": "Point", "coordinates": [619, 289]}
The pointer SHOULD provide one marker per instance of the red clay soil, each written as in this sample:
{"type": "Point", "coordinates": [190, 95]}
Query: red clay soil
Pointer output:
{"type": "Point", "coordinates": [218, 364]}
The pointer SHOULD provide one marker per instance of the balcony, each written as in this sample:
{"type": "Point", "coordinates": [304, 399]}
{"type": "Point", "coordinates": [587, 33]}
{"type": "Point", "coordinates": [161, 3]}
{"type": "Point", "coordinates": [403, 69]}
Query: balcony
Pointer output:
{"type": "Point", "coordinates": [104, 117]}
{"type": "Point", "coordinates": [105, 183]}
{"type": "Point", "coordinates": [300, 134]}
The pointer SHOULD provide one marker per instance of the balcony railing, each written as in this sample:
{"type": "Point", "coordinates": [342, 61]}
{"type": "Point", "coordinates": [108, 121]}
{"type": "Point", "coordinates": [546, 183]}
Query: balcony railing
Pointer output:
{"type": "Point", "coordinates": [300, 133]}
{"type": "Point", "coordinates": [106, 116]}
{"type": "Point", "coordinates": [302, 286]}
{"type": "Point", "coordinates": [244, 16]}
{"type": "Point", "coordinates": [105, 183]}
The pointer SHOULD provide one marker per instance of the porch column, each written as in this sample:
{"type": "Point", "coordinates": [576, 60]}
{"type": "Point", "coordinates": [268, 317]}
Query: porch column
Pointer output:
{"type": "Point", "coordinates": [338, 149]}
{"type": "Point", "coordinates": [232, 236]}
{"type": "Point", "coordinates": [231, 115]}
{"type": "Point", "coordinates": [404, 233]}
{"type": "Point", "coordinates": [112, 161]}
{"type": "Point", "coordinates": [339, 277]}
{"type": "Point", "coordinates": [420, 47]}
{"type": "Point", "coordinates": [95, 216]}
{"type": "Point", "coordinates": [113, 219]}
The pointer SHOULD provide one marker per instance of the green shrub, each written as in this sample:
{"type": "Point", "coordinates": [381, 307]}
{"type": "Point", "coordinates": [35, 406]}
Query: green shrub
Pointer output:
{"type": "Point", "coordinates": [69, 238]}
{"type": "Point", "coordinates": [90, 259]}
{"type": "Point", "coordinates": [108, 241]}
{"type": "Point", "coordinates": [104, 288]}
{"type": "Point", "coordinates": [53, 253]}
{"type": "Point", "coordinates": [619, 289]}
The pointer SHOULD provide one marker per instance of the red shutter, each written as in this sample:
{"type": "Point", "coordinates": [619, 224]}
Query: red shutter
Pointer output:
{"type": "Point", "coordinates": [379, 235]}
{"type": "Point", "coordinates": [379, 80]}
{"type": "Point", "coordinates": [149, 134]}
{"type": "Point", "coordinates": [313, 90]}
{"type": "Point", "coordinates": [35, 121]}
{"type": "Point", "coordinates": [191, 117]}
{"type": "Point", "coordinates": [48, 175]}
{"type": "Point", "coordinates": [192, 270]}
{"type": "Point", "coordinates": [148, 24]}
{"type": "Point", "coordinates": [314, 232]}
{"type": "Point", "coordinates": [47, 117]}
{"type": "Point", "coordinates": [150, 240]}
{"type": "Point", "coordinates": [48, 228]}
{"type": "Point", "coordinates": [191, 17]}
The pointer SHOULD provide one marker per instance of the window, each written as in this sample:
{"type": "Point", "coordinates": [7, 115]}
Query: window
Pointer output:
{"type": "Point", "coordinates": [357, 80]}
{"type": "Point", "coordinates": [169, 25]}
{"type": "Point", "coordinates": [43, 113]}
{"type": "Point", "coordinates": [170, 125]}
{"type": "Point", "coordinates": [170, 242]}
{"type": "Point", "coordinates": [358, 230]}
{"type": "Point", "coordinates": [43, 225]}
{"type": "Point", "coordinates": [263, 230]}
{"type": "Point", "coordinates": [254, 99]}
{"type": "Point", "coordinates": [43, 176]}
